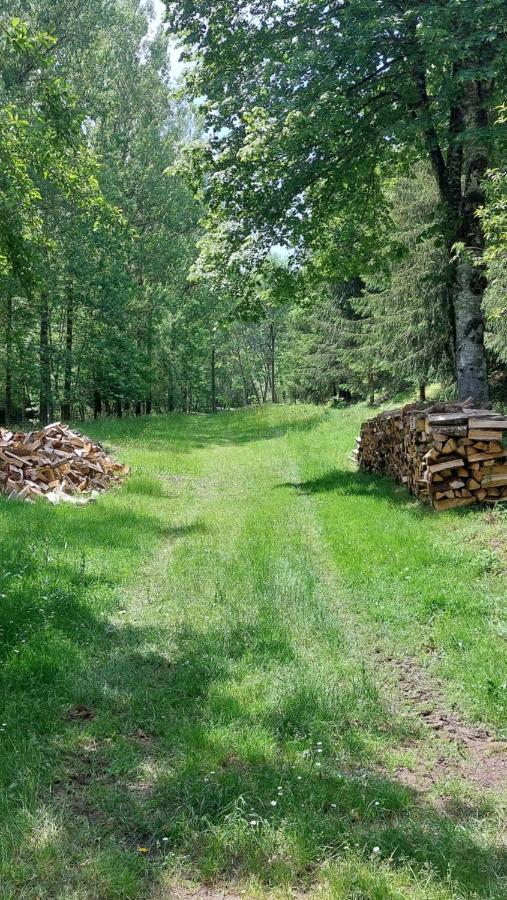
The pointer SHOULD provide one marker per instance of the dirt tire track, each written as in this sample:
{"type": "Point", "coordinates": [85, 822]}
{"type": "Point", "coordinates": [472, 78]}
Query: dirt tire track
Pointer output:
{"type": "Point", "coordinates": [482, 759]}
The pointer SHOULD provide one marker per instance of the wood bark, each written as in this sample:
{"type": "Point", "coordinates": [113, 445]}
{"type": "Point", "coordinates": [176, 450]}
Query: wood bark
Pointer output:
{"type": "Point", "coordinates": [272, 340]}
{"type": "Point", "coordinates": [66, 406]}
{"type": "Point", "coordinates": [459, 176]}
{"type": "Point", "coordinates": [470, 357]}
{"type": "Point", "coordinates": [243, 376]}
{"type": "Point", "coordinates": [470, 282]}
{"type": "Point", "coordinates": [171, 405]}
{"type": "Point", "coordinates": [371, 390]}
{"type": "Point", "coordinates": [97, 404]}
{"type": "Point", "coordinates": [45, 399]}
{"type": "Point", "coordinates": [213, 380]}
{"type": "Point", "coordinates": [149, 347]}
{"type": "Point", "coordinates": [8, 360]}
{"type": "Point", "coordinates": [255, 389]}
{"type": "Point", "coordinates": [450, 454]}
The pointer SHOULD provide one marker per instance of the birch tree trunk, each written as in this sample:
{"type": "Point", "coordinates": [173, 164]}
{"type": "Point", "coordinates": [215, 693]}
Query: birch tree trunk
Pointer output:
{"type": "Point", "coordinates": [171, 402]}
{"type": "Point", "coordinates": [470, 357]}
{"type": "Point", "coordinates": [470, 283]}
{"type": "Point", "coordinates": [459, 178]}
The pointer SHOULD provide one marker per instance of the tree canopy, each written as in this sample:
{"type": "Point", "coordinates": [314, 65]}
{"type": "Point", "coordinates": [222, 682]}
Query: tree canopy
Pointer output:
{"type": "Point", "coordinates": [317, 208]}
{"type": "Point", "coordinates": [309, 106]}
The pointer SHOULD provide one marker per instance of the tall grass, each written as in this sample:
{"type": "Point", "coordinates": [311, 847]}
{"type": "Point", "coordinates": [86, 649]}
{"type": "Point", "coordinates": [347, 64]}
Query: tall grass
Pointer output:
{"type": "Point", "coordinates": [188, 689]}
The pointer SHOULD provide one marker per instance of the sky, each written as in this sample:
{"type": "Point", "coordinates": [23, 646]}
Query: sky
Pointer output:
{"type": "Point", "coordinates": [157, 10]}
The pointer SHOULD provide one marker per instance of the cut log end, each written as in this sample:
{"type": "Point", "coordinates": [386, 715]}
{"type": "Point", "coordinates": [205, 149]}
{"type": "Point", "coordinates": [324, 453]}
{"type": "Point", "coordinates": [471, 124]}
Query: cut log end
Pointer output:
{"type": "Point", "coordinates": [450, 455]}
{"type": "Point", "coordinates": [55, 463]}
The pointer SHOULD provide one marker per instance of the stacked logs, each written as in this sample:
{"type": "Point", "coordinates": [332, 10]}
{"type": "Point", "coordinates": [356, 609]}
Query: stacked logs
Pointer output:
{"type": "Point", "coordinates": [447, 454]}
{"type": "Point", "coordinates": [55, 463]}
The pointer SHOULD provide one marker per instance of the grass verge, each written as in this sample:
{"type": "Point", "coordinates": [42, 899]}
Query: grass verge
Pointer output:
{"type": "Point", "coordinates": [189, 689]}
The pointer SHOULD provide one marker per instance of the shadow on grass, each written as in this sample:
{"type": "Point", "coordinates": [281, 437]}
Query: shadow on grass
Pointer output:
{"type": "Point", "coordinates": [358, 484]}
{"type": "Point", "coordinates": [392, 553]}
{"type": "Point", "coordinates": [176, 754]}
{"type": "Point", "coordinates": [362, 484]}
{"type": "Point", "coordinates": [182, 777]}
{"type": "Point", "coordinates": [175, 761]}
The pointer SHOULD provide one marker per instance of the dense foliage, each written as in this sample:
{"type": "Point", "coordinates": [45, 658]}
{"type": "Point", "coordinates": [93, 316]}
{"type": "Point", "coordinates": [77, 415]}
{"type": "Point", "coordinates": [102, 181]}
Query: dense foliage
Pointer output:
{"type": "Point", "coordinates": [298, 223]}
{"type": "Point", "coordinates": [310, 107]}
{"type": "Point", "coordinates": [494, 220]}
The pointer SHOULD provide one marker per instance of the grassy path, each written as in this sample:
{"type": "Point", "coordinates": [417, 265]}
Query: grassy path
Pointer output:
{"type": "Point", "coordinates": [213, 676]}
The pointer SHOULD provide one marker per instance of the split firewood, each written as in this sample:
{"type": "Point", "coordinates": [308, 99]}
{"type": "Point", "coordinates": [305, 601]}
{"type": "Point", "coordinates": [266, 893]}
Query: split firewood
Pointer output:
{"type": "Point", "coordinates": [447, 454]}
{"type": "Point", "coordinates": [55, 463]}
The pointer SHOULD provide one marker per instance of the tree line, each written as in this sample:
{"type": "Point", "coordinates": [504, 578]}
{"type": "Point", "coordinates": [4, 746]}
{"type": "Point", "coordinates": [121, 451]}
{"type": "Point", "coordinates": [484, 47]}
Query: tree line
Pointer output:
{"type": "Point", "coordinates": [314, 109]}
{"type": "Point", "coordinates": [320, 210]}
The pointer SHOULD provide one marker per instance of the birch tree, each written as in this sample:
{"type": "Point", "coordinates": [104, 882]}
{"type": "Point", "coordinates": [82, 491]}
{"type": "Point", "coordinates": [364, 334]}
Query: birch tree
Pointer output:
{"type": "Point", "coordinates": [308, 105]}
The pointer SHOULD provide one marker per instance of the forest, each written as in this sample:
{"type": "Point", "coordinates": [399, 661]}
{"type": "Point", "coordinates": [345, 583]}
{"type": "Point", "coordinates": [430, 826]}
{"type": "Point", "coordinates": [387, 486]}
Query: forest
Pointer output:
{"type": "Point", "coordinates": [204, 210]}
{"type": "Point", "coordinates": [253, 449]}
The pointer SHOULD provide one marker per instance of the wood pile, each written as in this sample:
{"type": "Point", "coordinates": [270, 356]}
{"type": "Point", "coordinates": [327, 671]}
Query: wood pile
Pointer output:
{"type": "Point", "coordinates": [448, 454]}
{"type": "Point", "coordinates": [55, 463]}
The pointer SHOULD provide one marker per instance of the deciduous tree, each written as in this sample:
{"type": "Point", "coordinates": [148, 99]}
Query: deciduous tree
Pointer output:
{"type": "Point", "coordinates": [309, 104]}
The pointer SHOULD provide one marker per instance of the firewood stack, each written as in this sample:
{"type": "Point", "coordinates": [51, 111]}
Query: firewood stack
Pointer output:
{"type": "Point", "coordinates": [55, 463]}
{"type": "Point", "coordinates": [449, 454]}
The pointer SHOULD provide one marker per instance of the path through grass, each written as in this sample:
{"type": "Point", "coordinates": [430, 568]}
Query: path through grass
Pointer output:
{"type": "Point", "coordinates": [199, 674]}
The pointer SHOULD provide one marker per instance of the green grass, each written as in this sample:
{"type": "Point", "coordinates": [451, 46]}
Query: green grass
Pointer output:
{"type": "Point", "coordinates": [217, 618]}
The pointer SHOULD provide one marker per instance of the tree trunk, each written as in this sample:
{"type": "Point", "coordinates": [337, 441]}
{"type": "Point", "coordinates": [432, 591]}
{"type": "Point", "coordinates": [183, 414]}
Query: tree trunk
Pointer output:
{"type": "Point", "coordinates": [45, 401]}
{"type": "Point", "coordinates": [371, 390]}
{"type": "Point", "coordinates": [138, 408]}
{"type": "Point", "coordinates": [243, 376]}
{"type": "Point", "coordinates": [255, 389]}
{"type": "Point", "coordinates": [97, 404]}
{"type": "Point", "coordinates": [470, 281]}
{"type": "Point", "coordinates": [459, 179]}
{"type": "Point", "coordinates": [66, 409]}
{"type": "Point", "coordinates": [470, 357]}
{"type": "Point", "coordinates": [465, 197]}
{"type": "Point", "coordinates": [422, 392]}
{"type": "Point", "coordinates": [149, 349]}
{"type": "Point", "coordinates": [118, 408]}
{"type": "Point", "coordinates": [272, 360]}
{"type": "Point", "coordinates": [213, 381]}
{"type": "Point", "coordinates": [8, 360]}
{"type": "Point", "coordinates": [170, 394]}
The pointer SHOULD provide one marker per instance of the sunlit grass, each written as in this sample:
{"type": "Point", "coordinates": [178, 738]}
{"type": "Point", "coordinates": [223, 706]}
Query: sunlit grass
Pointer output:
{"type": "Point", "coordinates": [209, 629]}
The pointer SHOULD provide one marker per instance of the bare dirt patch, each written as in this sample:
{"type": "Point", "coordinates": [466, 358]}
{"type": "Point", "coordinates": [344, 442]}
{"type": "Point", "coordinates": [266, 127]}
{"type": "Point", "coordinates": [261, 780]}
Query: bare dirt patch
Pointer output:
{"type": "Point", "coordinates": [198, 893]}
{"type": "Point", "coordinates": [80, 713]}
{"type": "Point", "coordinates": [474, 753]}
